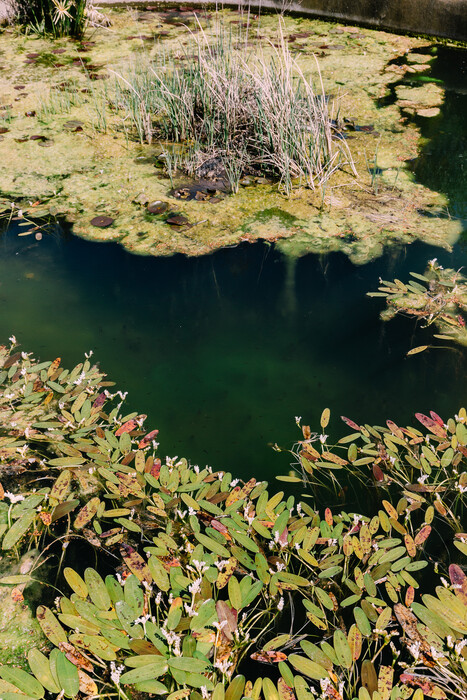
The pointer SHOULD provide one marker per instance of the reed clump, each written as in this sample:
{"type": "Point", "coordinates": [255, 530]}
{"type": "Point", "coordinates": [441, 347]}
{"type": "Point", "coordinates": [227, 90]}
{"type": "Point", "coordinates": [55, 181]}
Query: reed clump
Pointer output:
{"type": "Point", "coordinates": [236, 114]}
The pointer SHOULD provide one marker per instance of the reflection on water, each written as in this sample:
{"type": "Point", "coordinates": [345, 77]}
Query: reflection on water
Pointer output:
{"type": "Point", "coordinates": [222, 352]}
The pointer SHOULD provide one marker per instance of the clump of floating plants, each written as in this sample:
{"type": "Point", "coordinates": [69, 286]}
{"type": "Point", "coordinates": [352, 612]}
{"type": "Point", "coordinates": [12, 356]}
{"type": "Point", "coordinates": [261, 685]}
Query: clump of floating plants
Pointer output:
{"type": "Point", "coordinates": [205, 587]}
{"type": "Point", "coordinates": [440, 301]}
{"type": "Point", "coordinates": [230, 114]}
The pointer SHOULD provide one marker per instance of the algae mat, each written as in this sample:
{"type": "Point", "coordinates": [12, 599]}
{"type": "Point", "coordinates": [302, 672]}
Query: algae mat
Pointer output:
{"type": "Point", "coordinates": [63, 151]}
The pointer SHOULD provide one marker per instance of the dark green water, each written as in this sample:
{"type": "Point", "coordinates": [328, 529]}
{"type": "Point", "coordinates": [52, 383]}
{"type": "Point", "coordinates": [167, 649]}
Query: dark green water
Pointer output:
{"type": "Point", "coordinates": [222, 352]}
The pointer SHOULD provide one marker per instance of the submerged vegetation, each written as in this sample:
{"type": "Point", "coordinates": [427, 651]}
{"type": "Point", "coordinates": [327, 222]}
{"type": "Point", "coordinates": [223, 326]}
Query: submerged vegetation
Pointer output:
{"type": "Point", "coordinates": [438, 298]}
{"type": "Point", "coordinates": [204, 587]}
{"type": "Point", "coordinates": [234, 113]}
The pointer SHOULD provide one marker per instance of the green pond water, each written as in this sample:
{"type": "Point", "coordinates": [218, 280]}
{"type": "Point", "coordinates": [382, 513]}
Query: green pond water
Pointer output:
{"type": "Point", "coordinates": [222, 352]}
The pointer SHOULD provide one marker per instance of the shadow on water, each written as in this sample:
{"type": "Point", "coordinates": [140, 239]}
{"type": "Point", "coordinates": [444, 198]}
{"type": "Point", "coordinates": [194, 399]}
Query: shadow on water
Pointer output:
{"type": "Point", "coordinates": [442, 164]}
{"type": "Point", "coordinates": [222, 352]}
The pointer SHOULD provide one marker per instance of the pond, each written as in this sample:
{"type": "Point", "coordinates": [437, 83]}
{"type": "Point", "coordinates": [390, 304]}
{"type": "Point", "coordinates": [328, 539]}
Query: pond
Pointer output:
{"type": "Point", "coordinates": [222, 352]}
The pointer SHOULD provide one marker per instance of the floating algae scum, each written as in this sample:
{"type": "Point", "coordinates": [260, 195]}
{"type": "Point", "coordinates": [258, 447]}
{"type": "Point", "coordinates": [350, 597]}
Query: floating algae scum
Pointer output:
{"type": "Point", "coordinates": [98, 168]}
{"type": "Point", "coordinates": [148, 575]}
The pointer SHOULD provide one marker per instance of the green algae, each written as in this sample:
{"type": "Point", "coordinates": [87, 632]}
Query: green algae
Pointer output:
{"type": "Point", "coordinates": [102, 170]}
{"type": "Point", "coordinates": [19, 630]}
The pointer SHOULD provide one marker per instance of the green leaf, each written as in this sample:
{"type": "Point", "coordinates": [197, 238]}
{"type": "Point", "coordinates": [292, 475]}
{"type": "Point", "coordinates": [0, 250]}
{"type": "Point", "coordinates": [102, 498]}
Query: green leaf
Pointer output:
{"type": "Point", "coordinates": [23, 681]}
{"type": "Point", "coordinates": [206, 616]}
{"type": "Point", "coordinates": [18, 530]}
{"type": "Point", "coordinates": [293, 579]}
{"type": "Point", "coordinates": [15, 580]}
{"type": "Point", "coordinates": [307, 667]}
{"type": "Point", "coordinates": [159, 574]}
{"type": "Point", "coordinates": [235, 594]}
{"type": "Point", "coordinates": [342, 649]}
{"type": "Point", "coordinates": [146, 672]}
{"type": "Point", "coordinates": [67, 676]}
{"type": "Point", "coordinates": [75, 582]}
{"type": "Point", "coordinates": [97, 590]}
{"type": "Point", "coordinates": [362, 621]}
{"type": "Point", "coordinates": [153, 687]}
{"type": "Point", "coordinates": [39, 665]}
{"type": "Point", "coordinates": [212, 545]}
{"type": "Point", "coordinates": [269, 690]}
{"type": "Point", "coordinates": [50, 625]}
{"type": "Point", "coordinates": [235, 688]}
{"type": "Point", "coordinates": [190, 664]}
{"type": "Point", "coordinates": [94, 644]}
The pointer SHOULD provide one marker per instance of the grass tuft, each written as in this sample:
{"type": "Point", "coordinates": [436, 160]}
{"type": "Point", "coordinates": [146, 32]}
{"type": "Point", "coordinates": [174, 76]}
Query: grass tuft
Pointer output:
{"type": "Point", "coordinates": [255, 114]}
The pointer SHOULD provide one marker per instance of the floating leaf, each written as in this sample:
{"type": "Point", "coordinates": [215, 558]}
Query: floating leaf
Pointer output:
{"type": "Point", "coordinates": [235, 688]}
{"type": "Point", "coordinates": [147, 672]}
{"type": "Point", "coordinates": [39, 665]}
{"type": "Point", "coordinates": [75, 582]}
{"type": "Point", "coordinates": [50, 625]}
{"type": "Point", "coordinates": [68, 677]}
{"type": "Point", "coordinates": [26, 683]}
{"type": "Point", "coordinates": [86, 514]}
{"type": "Point", "coordinates": [136, 563]}
{"type": "Point", "coordinates": [18, 530]}
{"type": "Point", "coordinates": [307, 667]}
{"type": "Point", "coordinates": [419, 348]}
{"type": "Point", "coordinates": [97, 589]}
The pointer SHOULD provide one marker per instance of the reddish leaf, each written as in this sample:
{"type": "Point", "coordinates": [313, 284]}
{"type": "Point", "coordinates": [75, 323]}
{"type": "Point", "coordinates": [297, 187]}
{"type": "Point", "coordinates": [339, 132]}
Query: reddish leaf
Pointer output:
{"type": "Point", "coordinates": [422, 535]}
{"type": "Point", "coordinates": [225, 612]}
{"type": "Point", "coordinates": [131, 425]}
{"type": "Point", "coordinates": [437, 418]}
{"type": "Point", "coordinates": [378, 473]}
{"type": "Point", "coordinates": [268, 657]}
{"type": "Point", "coordinates": [99, 401]}
{"type": "Point", "coordinates": [147, 439]}
{"type": "Point", "coordinates": [431, 425]}
{"type": "Point", "coordinates": [350, 423]}
{"type": "Point", "coordinates": [459, 582]}
{"type": "Point", "coordinates": [428, 687]}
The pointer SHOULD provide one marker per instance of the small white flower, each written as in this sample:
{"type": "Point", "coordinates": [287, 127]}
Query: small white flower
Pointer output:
{"type": "Point", "coordinates": [280, 604]}
{"type": "Point", "coordinates": [12, 339]}
{"type": "Point", "coordinates": [195, 587]}
{"type": "Point", "coordinates": [234, 482]}
{"type": "Point", "coordinates": [204, 692]}
{"type": "Point", "coordinates": [14, 498]}
{"type": "Point", "coordinates": [191, 612]}
{"type": "Point", "coordinates": [323, 438]}
{"type": "Point", "coordinates": [223, 666]}
{"type": "Point", "coordinates": [116, 672]}
{"type": "Point", "coordinates": [421, 479]}
{"type": "Point", "coordinates": [297, 420]}
{"type": "Point", "coordinates": [219, 625]}
{"type": "Point", "coordinates": [89, 354]}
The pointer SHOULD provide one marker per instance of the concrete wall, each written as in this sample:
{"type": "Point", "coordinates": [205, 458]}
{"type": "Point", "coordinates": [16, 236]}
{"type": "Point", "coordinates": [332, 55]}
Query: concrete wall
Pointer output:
{"type": "Point", "coordinates": [441, 18]}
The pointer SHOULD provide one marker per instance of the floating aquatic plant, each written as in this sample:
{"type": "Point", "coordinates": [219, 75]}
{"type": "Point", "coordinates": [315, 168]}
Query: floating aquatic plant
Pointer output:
{"type": "Point", "coordinates": [196, 572]}
{"type": "Point", "coordinates": [441, 300]}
